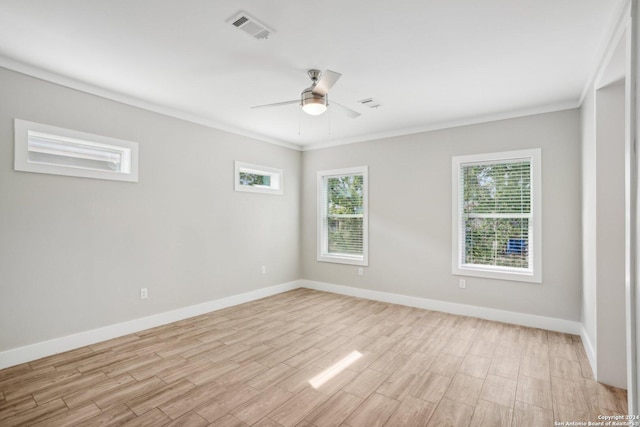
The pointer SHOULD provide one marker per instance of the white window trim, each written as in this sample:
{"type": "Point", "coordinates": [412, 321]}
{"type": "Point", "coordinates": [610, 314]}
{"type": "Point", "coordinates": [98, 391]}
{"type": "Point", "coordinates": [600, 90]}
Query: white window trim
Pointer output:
{"type": "Point", "coordinates": [496, 272]}
{"type": "Point", "coordinates": [21, 152]}
{"type": "Point", "coordinates": [260, 170]}
{"type": "Point", "coordinates": [322, 254]}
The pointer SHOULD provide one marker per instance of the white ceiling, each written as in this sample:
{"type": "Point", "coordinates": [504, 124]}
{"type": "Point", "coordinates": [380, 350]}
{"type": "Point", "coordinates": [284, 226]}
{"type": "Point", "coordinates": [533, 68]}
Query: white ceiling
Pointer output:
{"type": "Point", "coordinates": [430, 63]}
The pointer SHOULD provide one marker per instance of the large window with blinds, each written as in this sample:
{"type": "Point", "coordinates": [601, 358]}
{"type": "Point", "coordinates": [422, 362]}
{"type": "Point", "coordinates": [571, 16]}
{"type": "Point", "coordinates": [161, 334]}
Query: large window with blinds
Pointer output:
{"type": "Point", "coordinates": [342, 216]}
{"type": "Point", "coordinates": [497, 223]}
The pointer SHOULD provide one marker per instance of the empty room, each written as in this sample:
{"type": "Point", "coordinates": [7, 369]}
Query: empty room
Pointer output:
{"type": "Point", "coordinates": [339, 213]}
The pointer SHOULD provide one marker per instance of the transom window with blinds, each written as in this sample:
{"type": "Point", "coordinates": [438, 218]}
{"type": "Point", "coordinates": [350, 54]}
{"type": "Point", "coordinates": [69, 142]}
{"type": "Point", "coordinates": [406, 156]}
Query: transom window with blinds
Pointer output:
{"type": "Point", "coordinates": [342, 216]}
{"type": "Point", "coordinates": [48, 149]}
{"type": "Point", "coordinates": [497, 223]}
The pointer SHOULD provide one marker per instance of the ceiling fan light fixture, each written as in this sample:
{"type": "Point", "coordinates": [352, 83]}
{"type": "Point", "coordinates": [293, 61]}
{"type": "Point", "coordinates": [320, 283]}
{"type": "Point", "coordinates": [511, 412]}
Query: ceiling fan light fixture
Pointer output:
{"type": "Point", "coordinates": [313, 104]}
{"type": "Point", "coordinates": [314, 100]}
{"type": "Point", "coordinates": [314, 107]}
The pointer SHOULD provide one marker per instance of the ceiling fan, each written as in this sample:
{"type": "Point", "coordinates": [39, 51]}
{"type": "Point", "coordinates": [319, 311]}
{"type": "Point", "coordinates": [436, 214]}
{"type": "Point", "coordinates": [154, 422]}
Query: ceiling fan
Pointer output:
{"type": "Point", "coordinates": [315, 99]}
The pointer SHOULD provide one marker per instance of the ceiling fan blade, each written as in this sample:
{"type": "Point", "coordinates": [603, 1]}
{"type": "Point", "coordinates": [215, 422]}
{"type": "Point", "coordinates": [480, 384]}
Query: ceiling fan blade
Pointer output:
{"type": "Point", "coordinates": [346, 110]}
{"type": "Point", "coordinates": [328, 79]}
{"type": "Point", "coordinates": [277, 104]}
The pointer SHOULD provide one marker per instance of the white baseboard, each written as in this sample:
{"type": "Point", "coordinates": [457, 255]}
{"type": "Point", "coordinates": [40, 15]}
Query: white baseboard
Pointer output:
{"type": "Point", "coordinates": [531, 320]}
{"type": "Point", "coordinates": [590, 350]}
{"type": "Point", "coordinates": [35, 351]}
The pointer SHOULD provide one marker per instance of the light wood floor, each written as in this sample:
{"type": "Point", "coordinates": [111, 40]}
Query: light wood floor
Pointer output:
{"type": "Point", "coordinates": [251, 365]}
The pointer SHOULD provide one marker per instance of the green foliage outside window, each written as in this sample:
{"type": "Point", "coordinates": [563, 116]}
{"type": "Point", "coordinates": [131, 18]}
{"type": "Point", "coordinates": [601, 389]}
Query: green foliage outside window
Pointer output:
{"type": "Point", "coordinates": [253, 179]}
{"type": "Point", "coordinates": [497, 210]}
{"type": "Point", "coordinates": [345, 214]}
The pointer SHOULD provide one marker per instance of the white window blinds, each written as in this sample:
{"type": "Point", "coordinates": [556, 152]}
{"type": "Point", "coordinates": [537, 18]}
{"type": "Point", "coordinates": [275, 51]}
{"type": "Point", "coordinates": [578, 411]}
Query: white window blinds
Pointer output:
{"type": "Point", "coordinates": [496, 214]}
{"type": "Point", "coordinates": [53, 150]}
{"type": "Point", "coordinates": [342, 216]}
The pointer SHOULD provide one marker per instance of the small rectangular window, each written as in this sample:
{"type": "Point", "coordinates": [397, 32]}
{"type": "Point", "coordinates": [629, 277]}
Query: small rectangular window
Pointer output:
{"type": "Point", "coordinates": [258, 179]}
{"type": "Point", "coordinates": [47, 149]}
{"type": "Point", "coordinates": [342, 216]}
{"type": "Point", "coordinates": [497, 221]}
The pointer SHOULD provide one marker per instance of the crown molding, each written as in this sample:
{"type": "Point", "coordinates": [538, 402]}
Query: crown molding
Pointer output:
{"type": "Point", "coordinates": [606, 48]}
{"type": "Point", "coordinates": [59, 79]}
{"type": "Point", "coordinates": [566, 105]}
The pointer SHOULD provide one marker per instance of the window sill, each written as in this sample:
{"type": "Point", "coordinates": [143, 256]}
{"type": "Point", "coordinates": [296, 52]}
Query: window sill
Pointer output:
{"type": "Point", "coordinates": [500, 274]}
{"type": "Point", "coordinates": [343, 259]}
{"type": "Point", "coordinates": [256, 189]}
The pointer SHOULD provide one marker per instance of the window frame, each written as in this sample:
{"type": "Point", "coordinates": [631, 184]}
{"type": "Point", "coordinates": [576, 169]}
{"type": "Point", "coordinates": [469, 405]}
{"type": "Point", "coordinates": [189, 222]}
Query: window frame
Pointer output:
{"type": "Point", "coordinates": [241, 167]}
{"type": "Point", "coordinates": [322, 239]}
{"type": "Point", "coordinates": [23, 128]}
{"type": "Point", "coordinates": [534, 273]}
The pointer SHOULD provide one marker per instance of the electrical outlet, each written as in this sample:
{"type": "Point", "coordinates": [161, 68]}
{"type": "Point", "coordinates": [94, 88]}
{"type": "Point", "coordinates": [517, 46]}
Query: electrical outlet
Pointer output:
{"type": "Point", "coordinates": [360, 271]}
{"type": "Point", "coordinates": [463, 284]}
{"type": "Point", "coordinates": [143, 293]}
{"type": "Point", "coordinates": [263, 270]}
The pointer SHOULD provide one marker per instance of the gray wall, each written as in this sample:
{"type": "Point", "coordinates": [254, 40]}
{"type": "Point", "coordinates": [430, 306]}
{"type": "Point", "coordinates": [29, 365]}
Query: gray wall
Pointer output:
{"type": "Point", "coordinates": [589, 248]}
{"type": "Point", "coordinates": [75, 252]}
{"type": "Point", "coordinates": [410, 214]}
{"type": "Point", "coordinates": [610, 237]}
{"type": "Point", "coordinates": [603, 215]}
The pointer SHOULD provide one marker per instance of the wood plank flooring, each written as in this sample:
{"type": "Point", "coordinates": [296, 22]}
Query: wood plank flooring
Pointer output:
{"type": "Point", "coordinates": [372, 364]}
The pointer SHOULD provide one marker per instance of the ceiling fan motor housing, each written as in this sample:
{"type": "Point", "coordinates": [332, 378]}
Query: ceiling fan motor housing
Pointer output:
{"type": "Point", "coordinates": [315, 99]}
{"type": "Point", "coordinates": [314, 75]}
{"type": "Point", "coordinates": [313, 104]}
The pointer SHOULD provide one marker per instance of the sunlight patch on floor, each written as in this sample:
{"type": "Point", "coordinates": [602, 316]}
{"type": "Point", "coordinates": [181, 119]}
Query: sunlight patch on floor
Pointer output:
{"type": "Point", "coordinates": [335, 369]}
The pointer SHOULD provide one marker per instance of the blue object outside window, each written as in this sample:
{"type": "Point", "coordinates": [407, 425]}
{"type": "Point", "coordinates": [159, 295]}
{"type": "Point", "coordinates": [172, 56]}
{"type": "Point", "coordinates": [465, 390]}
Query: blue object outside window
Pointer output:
{"type": "Point", "coordinates": [516, 246]}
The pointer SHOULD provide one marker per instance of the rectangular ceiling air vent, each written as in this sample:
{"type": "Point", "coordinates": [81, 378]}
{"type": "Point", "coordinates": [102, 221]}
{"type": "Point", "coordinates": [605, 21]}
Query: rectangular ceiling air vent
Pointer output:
{"type": "Point", "coordinates": [250, 25]}
{"type": "Point", "coordinates": [240, 21]}
{"type": "Point", "coordinates": [370, 102]}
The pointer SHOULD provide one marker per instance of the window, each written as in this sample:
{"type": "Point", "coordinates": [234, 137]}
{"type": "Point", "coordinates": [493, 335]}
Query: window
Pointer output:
{"type": "Point", "coordinates": [497, 216]}
{"type": "Point", "coordinates": [47, 149]}
{"type": "Point", "coordinates": [342, 216]}
{"type": "Point", "coordinates": [258, 179]}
